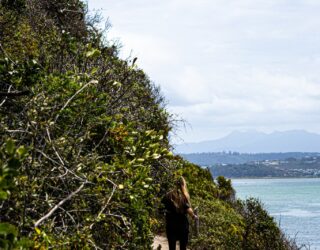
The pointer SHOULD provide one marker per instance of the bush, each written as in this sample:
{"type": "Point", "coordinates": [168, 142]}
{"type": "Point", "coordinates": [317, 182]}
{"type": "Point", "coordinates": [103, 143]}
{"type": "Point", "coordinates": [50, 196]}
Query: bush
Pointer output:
{"type": "Point", "coordinates": [97, 133]}
{"type": "Point", "coordinates": [11, 159]}
{"type": "Point", "coordinates": [220, 226]}
{"type": "Point", "coordinates": [260, 231]}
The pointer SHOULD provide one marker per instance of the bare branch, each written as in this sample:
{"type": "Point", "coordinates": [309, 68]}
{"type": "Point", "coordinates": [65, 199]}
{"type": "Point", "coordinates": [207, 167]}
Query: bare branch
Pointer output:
{"type": "Point", "coordinates": [94, 245]}
{"type": "Point", "coordinates": [105, 206]}
{"type": "Point", "coordinates": [72, 97]}
{"type": "Point", "coordinates": [5, 99]}
{"type": "Point", "coordinates": [107, 203]}
{"type": "Point", "coordinates": [16, 93]}
{"type": "Point", "coordinates": [17, 130]}
{"type": "Point", "coordinates": [120, 217]}
{"type": "Point", "coordinates": [59, 205]}
{"type": "Point", "coordinates": [73, 220]}
{"type": "Point", "coordinates": [46, 156]}
{"type": "Point", "coordinates": [53, 147]}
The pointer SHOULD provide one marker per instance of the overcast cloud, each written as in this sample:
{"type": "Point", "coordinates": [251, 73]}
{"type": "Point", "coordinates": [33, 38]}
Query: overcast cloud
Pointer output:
{"type": "Point", "coordinates": [226, 65]}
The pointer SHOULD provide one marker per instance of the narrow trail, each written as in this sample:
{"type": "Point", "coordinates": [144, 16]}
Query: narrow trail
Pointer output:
{"type": "Point", "coordinates": [161, 241]}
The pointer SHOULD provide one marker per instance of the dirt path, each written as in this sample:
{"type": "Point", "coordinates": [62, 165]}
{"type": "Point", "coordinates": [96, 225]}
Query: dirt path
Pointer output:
{"type": "Point", "coordinates": [162, 241]}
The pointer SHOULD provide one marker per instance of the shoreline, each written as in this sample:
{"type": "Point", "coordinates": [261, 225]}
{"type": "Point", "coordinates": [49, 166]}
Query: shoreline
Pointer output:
{"type": "Point", "coordinates": [303, 177]}
{"type": "Point", "coordinates": [293, 202]}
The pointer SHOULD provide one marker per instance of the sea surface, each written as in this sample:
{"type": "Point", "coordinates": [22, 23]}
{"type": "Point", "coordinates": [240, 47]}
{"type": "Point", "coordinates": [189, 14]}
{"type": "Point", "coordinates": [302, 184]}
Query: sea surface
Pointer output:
{"type": "Point", "coordinates": [294, 203]}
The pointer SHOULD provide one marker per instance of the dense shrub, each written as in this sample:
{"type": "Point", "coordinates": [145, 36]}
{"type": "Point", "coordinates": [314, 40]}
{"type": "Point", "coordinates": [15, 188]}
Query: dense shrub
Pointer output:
{"type": "Point", "coordinates": [97, 134]}
{"type": "Point", "coordinates": [95, 127]}
{"type": "Point", "coordinates": [220, 226]}
{"type": "Point", "coordinates": [11, 159]}
{"type": "Point", "coordinates": [260, 231]}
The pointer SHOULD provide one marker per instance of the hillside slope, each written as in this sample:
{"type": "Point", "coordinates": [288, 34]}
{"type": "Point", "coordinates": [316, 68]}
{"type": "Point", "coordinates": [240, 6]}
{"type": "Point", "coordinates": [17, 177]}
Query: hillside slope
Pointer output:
{"type": "Point", "coordinates": [84, 152]}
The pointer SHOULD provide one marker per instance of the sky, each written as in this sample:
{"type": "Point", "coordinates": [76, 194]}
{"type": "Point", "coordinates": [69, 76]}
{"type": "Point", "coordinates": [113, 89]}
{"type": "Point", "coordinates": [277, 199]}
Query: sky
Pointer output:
{"type": "Point", "coordinates": [225, 65]}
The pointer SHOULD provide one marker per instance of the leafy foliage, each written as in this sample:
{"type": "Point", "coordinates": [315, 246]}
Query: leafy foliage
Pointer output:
{"type": "Point", "coordinates": [10, 161]}
{"type": "Point", "coordinates": [227, 223]}
{"type": "Point", "coordinates": [95, 127]}
{"type": "Point", "coordinates": [261, 231]}
{"type": "Point", "coordinates": [221, 227]}
{"type": "Point", "coordinates": [97, 134]}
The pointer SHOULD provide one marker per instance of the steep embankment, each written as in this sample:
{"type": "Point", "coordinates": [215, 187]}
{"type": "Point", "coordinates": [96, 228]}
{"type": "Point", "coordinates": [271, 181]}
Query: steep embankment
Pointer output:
{"type": "Point", "coordinates": [84, 154]}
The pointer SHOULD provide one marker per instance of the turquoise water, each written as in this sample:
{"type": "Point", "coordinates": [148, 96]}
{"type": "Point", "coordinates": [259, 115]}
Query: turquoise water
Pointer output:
{"type": "Point", "coordinates": [294, 203]}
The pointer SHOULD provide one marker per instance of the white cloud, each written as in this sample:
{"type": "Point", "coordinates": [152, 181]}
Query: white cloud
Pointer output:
{"type": "Point", "coordinates": [227, 64]}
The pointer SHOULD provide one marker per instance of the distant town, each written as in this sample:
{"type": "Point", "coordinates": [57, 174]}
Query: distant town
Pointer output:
{"type": "Point", "coordinates": [233, 164]}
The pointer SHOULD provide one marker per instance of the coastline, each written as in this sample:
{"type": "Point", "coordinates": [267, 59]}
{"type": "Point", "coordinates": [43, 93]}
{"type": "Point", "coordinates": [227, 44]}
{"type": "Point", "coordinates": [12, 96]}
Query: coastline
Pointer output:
{"type": "Point", "coordinates": [293, 202]}
{"type": "Point", "coordinates": [280, 177]}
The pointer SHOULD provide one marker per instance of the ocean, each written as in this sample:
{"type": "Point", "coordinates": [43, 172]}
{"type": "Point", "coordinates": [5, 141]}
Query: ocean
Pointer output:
{"type": "Point", "coordinates": [294, 203]}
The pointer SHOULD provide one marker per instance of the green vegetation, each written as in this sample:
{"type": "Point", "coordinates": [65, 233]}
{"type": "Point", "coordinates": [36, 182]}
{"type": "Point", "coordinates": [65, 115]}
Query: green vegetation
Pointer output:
{"type": "Point", "coordinates": [85, 155]}
{"type": "Point", "coordinates": [11, 159]}
{"type": "Point", "coordinates": [209, 159]}
{"type": "Point", "coordinates": [291, 167]}
{"type": "Point", "coordinates": [226, 223]}
{"type": "Point", "coordinates": [240, 165]}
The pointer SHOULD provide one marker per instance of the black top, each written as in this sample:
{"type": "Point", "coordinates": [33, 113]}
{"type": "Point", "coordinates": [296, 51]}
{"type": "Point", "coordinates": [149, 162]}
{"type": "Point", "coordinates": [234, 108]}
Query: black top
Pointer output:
{"type": "Point", "coordinates": [176, 220]}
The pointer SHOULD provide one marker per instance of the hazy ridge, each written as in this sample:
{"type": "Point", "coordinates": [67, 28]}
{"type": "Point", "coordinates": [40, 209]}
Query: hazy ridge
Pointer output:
{"type": "Point", "coordinates": [257, 142]}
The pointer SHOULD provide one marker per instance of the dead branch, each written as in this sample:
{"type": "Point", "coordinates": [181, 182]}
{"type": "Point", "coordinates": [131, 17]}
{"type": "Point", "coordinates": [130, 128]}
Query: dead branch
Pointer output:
{"type": "Point", "coordinates": [120, 217]}
{"type": "Point", "coordinates": [18, 130]}
{"type": "Point", "coordinates": [13, 94]}
{"type": "Point", "coordinates": [59, 205]}
{"type": "Point", "coordinates": [72, 97]}
{"type": "Point", "coordinates": [46, 156]}
{"type": "Point", "coordinates": [94, 245]}
{"type": "Point", "coordinates": [60, 159]}
{"type": "Point", "coordinates": [5, 99]}
{"type": "Point", "coordinates": [67, 212]}
{"type": "Point", "coordinates": [107, 203]}
{"type": "Point", "coordinates": [53, 147]}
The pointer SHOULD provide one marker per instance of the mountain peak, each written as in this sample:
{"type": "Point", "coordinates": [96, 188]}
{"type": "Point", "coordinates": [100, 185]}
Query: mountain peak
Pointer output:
{"type": "Point", "coordinates": [253, 141]}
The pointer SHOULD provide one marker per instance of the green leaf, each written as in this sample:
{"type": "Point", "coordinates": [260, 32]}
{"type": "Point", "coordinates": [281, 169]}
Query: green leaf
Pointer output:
{"type": "Point", "coordinates": [93, 53]}
{"type": "Point", "coordinates": [3, 195]}
{"type": "Point", "coordinates": [14, 163]}
{"type": "Point", "coordinates": [10, 147]}
{"type": "Point", "coordinates": [6, 229]}
{"type": "Point", "coordinates": [117, 84]}
{"type": "Point", "coordinates": [170, 154]}
{"type": "Point", "coordinates": [22, 151]}
{"type": "Point", "coordinates": [94, 70]}
{"type": "Point", "coordinates": [149, 132]}
{"type": "Point", "coordinates": [38, 231]}
{"type": "Point", "coordinates": [25, 243]}
{"type": "Point", "coordinates": [156, 156]}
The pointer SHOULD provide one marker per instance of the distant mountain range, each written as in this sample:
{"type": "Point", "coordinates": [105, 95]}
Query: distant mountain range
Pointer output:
{"type": "Point", "coordinates": [257, 142]}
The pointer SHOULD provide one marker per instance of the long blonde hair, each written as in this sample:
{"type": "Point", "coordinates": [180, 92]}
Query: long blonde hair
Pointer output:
{"type": "Point", "coordinates": [180, 195]}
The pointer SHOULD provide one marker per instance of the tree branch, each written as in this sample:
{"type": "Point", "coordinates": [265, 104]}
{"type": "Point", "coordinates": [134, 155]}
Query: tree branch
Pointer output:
{"type": "Point", "coordinates": [72, 97]}
{"type": "Point", "coordinates": [13, 94]}
{"type": "Point", "coordinates": [59, 205]}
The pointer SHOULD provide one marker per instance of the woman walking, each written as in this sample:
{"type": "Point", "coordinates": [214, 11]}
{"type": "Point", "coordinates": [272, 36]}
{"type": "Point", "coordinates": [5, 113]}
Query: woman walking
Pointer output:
{"type": "Point", "coordinates": [177, 204]}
